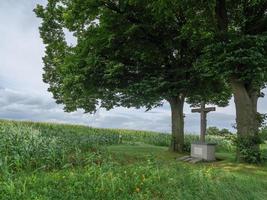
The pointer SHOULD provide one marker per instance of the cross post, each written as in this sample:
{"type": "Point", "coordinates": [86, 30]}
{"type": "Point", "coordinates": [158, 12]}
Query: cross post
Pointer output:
{"type": "Point", "coordinates": [203, 119]}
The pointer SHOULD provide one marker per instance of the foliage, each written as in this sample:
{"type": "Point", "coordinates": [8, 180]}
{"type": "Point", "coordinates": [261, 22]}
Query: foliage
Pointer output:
{"type": "Point", "coordinates": [145, 180]}
{"type": "Point", "coordinates": [238, 53]}
{"type": "Point", "coordinates": [247, 148]}
{"type": "Point", "coordinates": [243, 57]}
{"type": "Point", "coordinates": [262, 119]}
{"type": "Point", "coordinates": [225, 144]}
{"type": "Point", "coordinates": [128, 53]}
{"type": "Point", "coordinates": [213, 130]}
{"type": "Point", "coordinates": [225, 132]}
{"type": "Point", "coordinates": [216, 131]}
{"type": "Point", "coordinates": [263, 133]}
{"type": "Point", "coordinates": [239, 49]}
{"type": "Point", "coordinates": [83, 136]}
{"type": "Point", "coordinates": [56, 161]}
{"type": "Point", "coordinates": [25, 148]}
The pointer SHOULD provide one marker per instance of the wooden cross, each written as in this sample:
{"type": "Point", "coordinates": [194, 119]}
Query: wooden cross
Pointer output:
{"type": "Point", "coordinates": [203, 119]}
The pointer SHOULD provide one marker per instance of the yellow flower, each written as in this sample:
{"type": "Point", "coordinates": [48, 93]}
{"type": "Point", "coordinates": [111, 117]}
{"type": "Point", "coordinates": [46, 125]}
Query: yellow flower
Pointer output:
{"type": "Point", "coordinates": [137, 189]}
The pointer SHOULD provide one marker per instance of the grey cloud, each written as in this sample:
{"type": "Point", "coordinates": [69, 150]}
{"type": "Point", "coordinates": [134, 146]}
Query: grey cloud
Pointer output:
{"type": "Point", "coordinates": [36, 107]}
{"type": "Point", "coordinates": [23, 106]}
{"type": "Point", "coordinates": [40, 107]}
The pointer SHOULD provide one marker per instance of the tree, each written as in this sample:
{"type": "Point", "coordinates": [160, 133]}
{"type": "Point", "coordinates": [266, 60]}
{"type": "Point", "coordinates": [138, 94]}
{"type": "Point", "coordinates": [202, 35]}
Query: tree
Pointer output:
{"type": "Point", "coordinates": [128, 53]}
{"type": "Point", "coordinates": [239, 54]}
{"type": "Point", "coordinates": [216, 131]}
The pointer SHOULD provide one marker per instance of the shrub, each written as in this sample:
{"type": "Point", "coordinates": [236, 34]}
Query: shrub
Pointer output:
{"type": "Point", "coordinates": [225, 132]}
{"type": "Point", "coordinates": [263, 133]}
{"type": "Point", "coordinates": [223, 143]}
{"type": "Point", "coordinates": [215, 131]}
{"type": "Point", "coordinates": [247, 148]}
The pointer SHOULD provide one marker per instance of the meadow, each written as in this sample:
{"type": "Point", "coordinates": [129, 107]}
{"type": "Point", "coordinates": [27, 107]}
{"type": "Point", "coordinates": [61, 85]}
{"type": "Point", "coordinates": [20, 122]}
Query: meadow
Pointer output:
{"type": "Point", "coordinates": [55, 161]}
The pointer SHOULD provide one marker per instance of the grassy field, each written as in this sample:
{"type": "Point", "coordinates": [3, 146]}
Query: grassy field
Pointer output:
{"type": "Point", "coordinates": [52, 161]}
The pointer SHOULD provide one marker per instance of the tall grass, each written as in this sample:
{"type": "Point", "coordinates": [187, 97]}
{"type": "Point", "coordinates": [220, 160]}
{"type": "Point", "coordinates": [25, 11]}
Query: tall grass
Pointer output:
{"type": "Point", "coordinates": [23, 147]}
{"type": "Point", "coordinates": [27, 145]}
{"type": "Point", "coordinates": [83, 136]}
{"type": "Point", "coordinates": [144, 181]}
{"type": "Point", "coordinates": [53, 161]}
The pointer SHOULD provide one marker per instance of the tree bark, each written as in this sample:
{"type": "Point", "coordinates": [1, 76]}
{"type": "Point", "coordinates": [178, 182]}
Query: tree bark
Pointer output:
{"type": "Point", "coordinates": [177, 114]}
{"type": "Point", "coordinates": [246, 112]}
{"type": "Point", "coordinates": [221, 16]}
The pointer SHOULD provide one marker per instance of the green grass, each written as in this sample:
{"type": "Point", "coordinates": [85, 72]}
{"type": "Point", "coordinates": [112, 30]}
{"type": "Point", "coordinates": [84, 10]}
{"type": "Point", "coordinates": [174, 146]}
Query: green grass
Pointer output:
{"type": "Point", "coordinates": [52, 161]}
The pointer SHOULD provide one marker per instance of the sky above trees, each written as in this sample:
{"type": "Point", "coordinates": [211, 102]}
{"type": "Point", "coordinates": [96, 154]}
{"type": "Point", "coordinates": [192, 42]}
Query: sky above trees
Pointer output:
{"type": "Point", "coordinates": [23, 95]}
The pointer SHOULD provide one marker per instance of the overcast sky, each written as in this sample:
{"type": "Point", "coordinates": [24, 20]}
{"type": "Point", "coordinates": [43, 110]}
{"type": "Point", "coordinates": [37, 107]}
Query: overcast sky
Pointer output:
{"type": "Point", "coordinates": [23, 95]}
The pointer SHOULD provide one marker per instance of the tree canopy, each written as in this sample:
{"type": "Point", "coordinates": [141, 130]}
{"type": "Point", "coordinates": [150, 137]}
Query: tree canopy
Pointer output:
{"type": "Point", "coordinates": [238, 53]}
{"type": "Point", "coordinates": [128, 53]}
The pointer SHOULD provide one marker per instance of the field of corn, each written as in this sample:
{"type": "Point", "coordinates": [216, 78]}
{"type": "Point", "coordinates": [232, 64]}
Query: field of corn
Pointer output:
{"type": "Point", "coordinates": [55, 161]}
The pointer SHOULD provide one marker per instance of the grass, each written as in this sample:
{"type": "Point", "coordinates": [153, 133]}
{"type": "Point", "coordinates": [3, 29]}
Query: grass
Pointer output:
{"type": "Point", "coordinates": [50, 161]}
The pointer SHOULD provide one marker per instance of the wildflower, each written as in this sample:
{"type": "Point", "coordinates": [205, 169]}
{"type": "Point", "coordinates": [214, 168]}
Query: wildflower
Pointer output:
{"type": "Point", "coordinates": [137, 189]}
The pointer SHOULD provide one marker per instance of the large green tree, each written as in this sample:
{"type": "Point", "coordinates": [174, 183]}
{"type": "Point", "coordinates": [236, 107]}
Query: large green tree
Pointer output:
{"type": "Point", "coordinates": [128, 53]}
{"type": "Point", "coordinates": [239, 54]}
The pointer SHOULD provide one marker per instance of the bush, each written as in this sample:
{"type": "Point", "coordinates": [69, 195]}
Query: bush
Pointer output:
{"type": "Point", "coordinates": [215, 131]}
{"type": "Point", "coordinates": [263, 133]}
{"type": "Point", "coordinates": [223, 143]}
{"type": "Point", "coordinates": [248, 149]}
{"type": "Point", "coordinates": [225, 132]}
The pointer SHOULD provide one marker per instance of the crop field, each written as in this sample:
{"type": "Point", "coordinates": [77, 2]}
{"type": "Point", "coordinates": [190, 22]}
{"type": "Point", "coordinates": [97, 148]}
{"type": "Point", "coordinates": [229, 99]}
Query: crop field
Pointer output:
{"type": "Point", "coordinates": [55, 161]}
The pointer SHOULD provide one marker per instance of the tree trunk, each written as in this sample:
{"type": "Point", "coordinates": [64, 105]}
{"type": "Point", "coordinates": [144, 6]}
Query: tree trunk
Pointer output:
{"type": "Point", "coordinates": [246, 114]}
{"type": "Point", "coordinates": [177, 108]}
